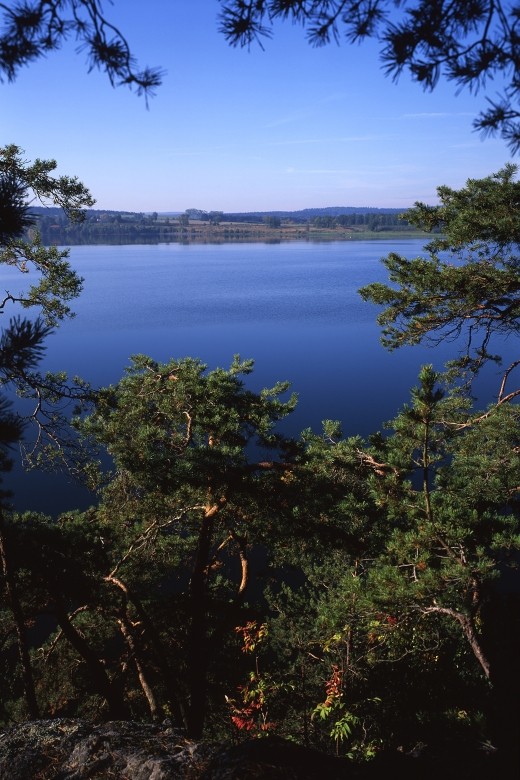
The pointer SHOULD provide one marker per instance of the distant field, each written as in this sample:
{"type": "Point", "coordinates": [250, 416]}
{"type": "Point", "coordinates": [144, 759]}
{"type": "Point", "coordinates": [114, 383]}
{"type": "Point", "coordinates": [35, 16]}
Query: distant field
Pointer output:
{"type": "Point", "coordinates": [287, 232]}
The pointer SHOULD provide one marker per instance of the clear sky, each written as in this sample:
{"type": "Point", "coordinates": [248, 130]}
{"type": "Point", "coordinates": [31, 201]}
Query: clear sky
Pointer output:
{"type": "Point", "coordinates": [235, 130]}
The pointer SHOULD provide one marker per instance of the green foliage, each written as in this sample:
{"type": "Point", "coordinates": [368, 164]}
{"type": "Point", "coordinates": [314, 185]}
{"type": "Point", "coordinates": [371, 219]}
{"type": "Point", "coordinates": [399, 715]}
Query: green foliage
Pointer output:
{"type": "Point", "coordinates": [334, 708]}
{"type": "Point", "coordinates": [456, 525]}
{"type": "Point", "coordinates": [194, 489]}
{"type": "Point", "coordinates": [14, 210]}
{"type": "Point", "coordinates": [399, 542]}
{"type": "Point", "coordinates": [399, 615]}
{"type": "Point", "coordinates": [468, 285]}
{"type": "Point", "coordinates": [58, 283]}
{"type": "Point", "coordinates": [21, 349]}
{"type": "Point", "coordinates": [251, 714]}
{"type": "Point", "coordinates": [64, 191]}
{"type": "Point", "coordinates": [174, 427]}
{"type": "Point", "coordinates": [22, 343]}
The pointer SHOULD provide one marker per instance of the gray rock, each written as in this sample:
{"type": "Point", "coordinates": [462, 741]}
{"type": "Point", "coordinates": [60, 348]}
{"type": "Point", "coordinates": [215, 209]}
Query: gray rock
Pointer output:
{"type": "Point", "coordinates": [64, 749]}
{"type": "Point", "coordinates": [67, 749]}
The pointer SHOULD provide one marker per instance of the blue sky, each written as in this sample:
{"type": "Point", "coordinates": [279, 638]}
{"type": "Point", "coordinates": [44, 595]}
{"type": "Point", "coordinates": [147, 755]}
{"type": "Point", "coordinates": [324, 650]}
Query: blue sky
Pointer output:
{"type": "Point", "coordinates": [234, 130]}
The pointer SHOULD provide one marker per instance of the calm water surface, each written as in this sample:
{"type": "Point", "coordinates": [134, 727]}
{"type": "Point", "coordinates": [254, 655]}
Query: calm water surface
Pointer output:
{"type": "Point", "coordinates": [292, 307]}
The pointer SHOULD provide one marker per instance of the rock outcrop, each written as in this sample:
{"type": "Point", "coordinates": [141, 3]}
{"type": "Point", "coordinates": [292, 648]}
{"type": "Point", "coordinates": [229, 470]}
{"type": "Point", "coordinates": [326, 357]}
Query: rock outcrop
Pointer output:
{"type": "Point", "coordinates": [67, 749]}
{"type": "Point", "coordinates": [64, 749]}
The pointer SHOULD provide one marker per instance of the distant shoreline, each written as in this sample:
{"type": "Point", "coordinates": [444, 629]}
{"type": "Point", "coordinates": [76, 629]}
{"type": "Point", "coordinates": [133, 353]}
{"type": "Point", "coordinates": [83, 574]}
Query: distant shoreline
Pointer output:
{"type": "Point", "coordinates": [228, 232]}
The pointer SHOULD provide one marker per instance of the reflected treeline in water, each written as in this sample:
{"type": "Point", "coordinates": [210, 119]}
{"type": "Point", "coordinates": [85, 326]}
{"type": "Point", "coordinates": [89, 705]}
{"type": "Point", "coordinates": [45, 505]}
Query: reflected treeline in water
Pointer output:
{"type": "Point", "coordinates": [122, 228]}
{"type": "Point", "coordinates": [147, 241]}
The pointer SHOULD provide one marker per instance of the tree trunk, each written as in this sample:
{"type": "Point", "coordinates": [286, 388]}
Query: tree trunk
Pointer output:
{"type": "Point", "coordinates": [471, 636]}
{"type": "Point", "coordinates": [126, 631]}
{"type": "Point", "coordinates": [197, 645]}
{"type": "Point", "coordinates": [498, 653]}
{"type": "Point", "coordinates": [117, 709]}
{"type": "Point", "coordinates": [171, 684]}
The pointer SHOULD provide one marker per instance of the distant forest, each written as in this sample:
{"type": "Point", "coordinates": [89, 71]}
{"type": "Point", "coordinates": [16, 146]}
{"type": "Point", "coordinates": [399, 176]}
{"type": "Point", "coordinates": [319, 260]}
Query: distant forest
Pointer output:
{"type": "Point", "coordinates": [123, 226]}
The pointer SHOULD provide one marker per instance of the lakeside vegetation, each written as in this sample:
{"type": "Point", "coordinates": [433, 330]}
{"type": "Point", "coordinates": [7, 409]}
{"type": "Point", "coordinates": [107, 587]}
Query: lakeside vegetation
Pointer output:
{"type": "Point", "coordinates": [194, 225]}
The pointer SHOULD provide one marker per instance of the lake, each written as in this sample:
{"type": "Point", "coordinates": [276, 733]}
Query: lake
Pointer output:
{"type": "Point", "coordinates": [293, 307]}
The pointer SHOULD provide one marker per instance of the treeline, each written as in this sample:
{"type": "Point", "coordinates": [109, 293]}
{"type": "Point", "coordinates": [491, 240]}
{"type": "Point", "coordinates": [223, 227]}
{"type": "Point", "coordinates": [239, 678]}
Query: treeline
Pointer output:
{"type": "Point", "coordinates": [307, 215]}
{"type": "Point", "coordinates": [365, 220]}
{"type": "Point", "coordinates": [122, 227]}
{"type": "Point", "coordinates": [109, 226]}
